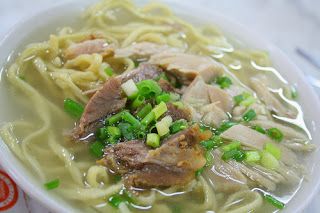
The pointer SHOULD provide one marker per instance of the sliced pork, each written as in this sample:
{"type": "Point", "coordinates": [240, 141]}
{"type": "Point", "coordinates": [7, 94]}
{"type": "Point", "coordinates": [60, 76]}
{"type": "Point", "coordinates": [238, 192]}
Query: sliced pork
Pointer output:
{"type": "Point", "coordinates": [173, 163]}
{"type": "Point", "coordinates": [187, 66]}
{"type": "Point", "coordinates": [88, 47]}
{"type": "Point", "coordinates": [143, 50]}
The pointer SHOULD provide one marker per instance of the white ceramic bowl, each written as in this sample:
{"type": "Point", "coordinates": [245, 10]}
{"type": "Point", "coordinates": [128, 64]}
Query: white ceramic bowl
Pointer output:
{"type": "Point", "coordinates": [38, 27]}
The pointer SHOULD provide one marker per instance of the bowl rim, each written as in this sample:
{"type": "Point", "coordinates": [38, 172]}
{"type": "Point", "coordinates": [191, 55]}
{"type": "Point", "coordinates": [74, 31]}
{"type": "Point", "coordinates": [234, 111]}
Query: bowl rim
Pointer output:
{"type": "Point", "coordinates": [36, 192]}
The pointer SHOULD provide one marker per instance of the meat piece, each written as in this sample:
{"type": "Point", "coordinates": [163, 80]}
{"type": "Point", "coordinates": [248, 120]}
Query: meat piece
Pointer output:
{"type": "Point", "coordinates": [173, 163]}
{"type": "Point", "coordinates": [270, 100]}
{"type": "Point", "coordinates": [143, 50]}
{"type": "Point", "coordinates": [212, 115]}
{"type": "Point", "coordinates": [125, 155]}
{"type": "Point", "coordinates": [247, 136]}
{"type": "Point", "coordinates": [188, 66]}
{"type": "Point", "coordinates": [106, 101]}
{"type": "Point", "coordinates": [178, 113]}
{"type": "Point", "coordinates": [143, 72]}
{"type": "Point", "coordinates": [166, 86]}
{"type": "Point", "coordinates": [88, 47]}
{"type": "Point", "coordinates": [208, 103]}
{"type": "Point", "coordinates": [109, 100]}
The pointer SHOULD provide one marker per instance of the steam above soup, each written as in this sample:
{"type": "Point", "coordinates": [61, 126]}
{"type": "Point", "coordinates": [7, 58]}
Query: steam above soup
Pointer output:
{"type": "Point", "coordinates": [140, 111]}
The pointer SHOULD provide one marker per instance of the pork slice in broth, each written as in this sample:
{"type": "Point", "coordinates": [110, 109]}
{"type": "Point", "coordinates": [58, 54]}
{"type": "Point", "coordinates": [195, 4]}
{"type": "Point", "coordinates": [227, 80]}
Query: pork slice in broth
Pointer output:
{"type": "Point", "coordinates": [99, 46]}
{"type": "Point", "coordinates": [209, 104]}
{"type": "Point", "coordinates": [173, 163]}
{"type": "Point", "coordinates": [105, 101]}
{"type": "Point", "coordinates": [187, 66]}
{"type": "Point", "coordinates": [143, 50]}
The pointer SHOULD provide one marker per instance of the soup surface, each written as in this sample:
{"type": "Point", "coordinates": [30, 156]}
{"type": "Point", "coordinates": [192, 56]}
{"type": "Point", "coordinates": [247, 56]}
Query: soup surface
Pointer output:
{"type": "Point", "coordinates": [140, 111]}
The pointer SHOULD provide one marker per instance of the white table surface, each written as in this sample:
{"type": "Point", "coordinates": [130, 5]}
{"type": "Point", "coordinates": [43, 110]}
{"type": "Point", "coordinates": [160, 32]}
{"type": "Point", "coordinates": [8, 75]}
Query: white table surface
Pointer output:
{"type": "Point", "coordinates": [289, 24]}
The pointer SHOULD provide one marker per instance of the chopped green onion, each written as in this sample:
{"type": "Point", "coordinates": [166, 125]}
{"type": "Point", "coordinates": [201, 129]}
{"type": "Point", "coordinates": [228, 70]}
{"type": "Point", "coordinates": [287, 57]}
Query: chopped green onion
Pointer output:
{"type": "Point", "coordinates": [212, 143]}
{"type": "Point", "coordinates": [114, 118]}
{"type": "Point", "coordinates": [244, 99]}
{"type": "Point", "coordinates": [224, 126]}
{"type": "Point", "coordinates": [144, 111]}
{"type": "Point", "coordinates": [149, 88]}
{"type": "Point", "coordinates": [122, 197]}
{"type": "Point", "coordinates": [275, 134]}
{"type": "Point", "coordinates": [235, 154]}
{"type": "Point", "coordinates": [138, 101]}
{"type": "Point", "coordinates": [130, 89]}
{"type": "Point", "coordinates": [199, 172]}
{"type": "Point", "coordinates": [159, 110]}
{"type": "Point", "coordinates": [130, 119]}
{"type": "Point", "coordinates": [109, 71]}
{"type": "Point", "coordinates": [52, 184]}
{"type": "Point", "coordinates": [249, 115]}
{"type": "Point", "coordinates": [177, 126]}
{"type": "Point", "coordinates": [167, 120]}
{"type": "Point", "coordinates": [148, 118]}
{"type": "Point", "coordinates": [178, 104]}
{"type": "Point", "coordinates": [101, 133]}
{"type": "Point", "coordinates": [96, 149]}
{"type": "Point", "coordinates": [238, 99]}
{"type": "Point", "coordinates": [274, 201]}
{"type": "Point", "coordinates": [162, 128]}
{"type": "Point", "coordinates": [73, 108]}
{"type": "Point", "coordinates": [153, 140]}
{"type": "Point", "coordinates": [164, 97]}
{"type": "Point", "coordinates": [223, 82]}
{"type": "Point", "coordinates": [259, 129]}
{"type": "Point", "coordinates": [126, 130]}
{"type": "Point", "coordinates": [209, 159]}
{"type": "Point", "coordinates": [252, 156]}
{"type": "Point", "coordinates": [268, 160]}
{"type": "Point", "coordinates": [273, 149]}
{"type": "Point", "coordinates": [294, 92]}
{"type": "Point", "coordinates": [115, 200]}
{"type": "Point", "coordinates": [174, 96]}
{"type": "Point", "coordinates": [231, 146]}
{"type": "Point", "coordinates": [114, 133]}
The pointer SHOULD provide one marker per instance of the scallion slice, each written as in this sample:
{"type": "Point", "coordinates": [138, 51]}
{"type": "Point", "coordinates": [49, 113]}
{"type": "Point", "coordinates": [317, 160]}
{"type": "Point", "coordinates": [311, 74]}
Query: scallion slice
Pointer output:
{"type": "Point", "coordinates": [126, 116]}
{"type": "Point", "coordinates": [73, 108]}
{"type": "Point", "coordinates": [52, 184]}
{"type": "Point", "coordinates": [149, 88]}
{"type": "Point", "coordinates": [274, 201]}
{"type": "Point", "coordinates": [275, 134]}
{"type": "Point", "coordinates": [273, 149]}
{"type": "Point", "coordinates": [177, 126]}
{"type": "Point", "coordinates": [252, 156]}
{"type": "Point", "coordinates": [223, 82]}
{"type": "Point", "coordinates": [249, 115]}
{"type": "Point", "coordinates": [96, 149]}
{"type": "Point", "coordinates": [144, 111]}
{"type": "Point", "coordinates": [150, 117]}
{"type": "Point", "coordinates": [231, 146]}
{"type": "Point", "coordinates": [268, 160]}
{"type": "Point", "coordinates": [159, 110]}
{"type": "Point", "coordinates": [109, 71]}
{"type": "Point", "coordinates": [235, 154]}
{"type": "Point", "coordinates": [138, 101]}
{"type": "Point", "coordinates": [153, 140]}
{"type": "Point", "coordinates": [164, 97]}
{"type": "Point", "coordinates": [130, 89]}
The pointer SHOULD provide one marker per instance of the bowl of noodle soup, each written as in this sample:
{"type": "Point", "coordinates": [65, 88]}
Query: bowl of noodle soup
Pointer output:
{"type": "Point", "coordinates": [35, 81]}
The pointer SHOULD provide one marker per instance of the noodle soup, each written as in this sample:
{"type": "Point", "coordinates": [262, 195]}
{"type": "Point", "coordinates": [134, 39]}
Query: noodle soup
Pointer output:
{"type": "Point", "coordinates": [260, 121]}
